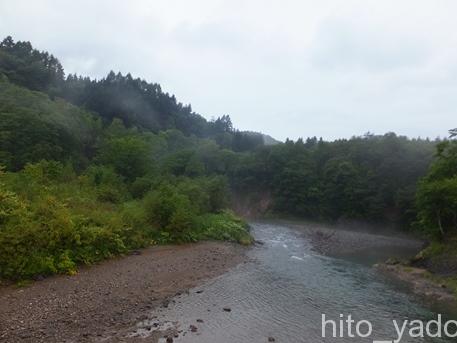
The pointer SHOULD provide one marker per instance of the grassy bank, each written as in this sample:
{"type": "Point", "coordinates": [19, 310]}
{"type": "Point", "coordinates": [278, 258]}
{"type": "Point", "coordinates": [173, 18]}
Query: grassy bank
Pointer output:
{"type": "Point", "coordinates": [432, 273]}
{"type": "Point", "coordinates": [53, 220]}
{"type": "Point", "coordinates": [439, 258]}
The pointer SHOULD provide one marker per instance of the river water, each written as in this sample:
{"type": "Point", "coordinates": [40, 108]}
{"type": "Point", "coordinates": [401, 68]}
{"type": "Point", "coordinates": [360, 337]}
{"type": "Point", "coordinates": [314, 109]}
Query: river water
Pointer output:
{"type": "Point", "coordinates": [282, 291]}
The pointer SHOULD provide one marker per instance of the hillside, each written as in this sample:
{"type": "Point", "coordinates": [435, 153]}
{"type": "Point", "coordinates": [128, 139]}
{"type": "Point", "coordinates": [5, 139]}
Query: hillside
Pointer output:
{"type": "Point", "coordinates": [76, 190]}
{"type": "Point", "coordinates": [94, 168]}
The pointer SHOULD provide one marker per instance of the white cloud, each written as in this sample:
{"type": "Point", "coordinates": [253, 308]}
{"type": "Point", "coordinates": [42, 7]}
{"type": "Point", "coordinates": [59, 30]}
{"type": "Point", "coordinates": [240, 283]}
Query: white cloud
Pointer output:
{"type": "Point", "coordinates": [292, 68]}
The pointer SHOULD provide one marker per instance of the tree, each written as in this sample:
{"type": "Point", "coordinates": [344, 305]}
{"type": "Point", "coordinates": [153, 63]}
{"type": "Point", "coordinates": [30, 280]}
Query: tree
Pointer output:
{"type": "Point", "coordinates": [130, 156]}
{"type": "Point", "coordinates": [437, 203]}
{"type": "Point", "coordinates": [28, 67]}
{"type": "Point", "coordinates": [437, 192]}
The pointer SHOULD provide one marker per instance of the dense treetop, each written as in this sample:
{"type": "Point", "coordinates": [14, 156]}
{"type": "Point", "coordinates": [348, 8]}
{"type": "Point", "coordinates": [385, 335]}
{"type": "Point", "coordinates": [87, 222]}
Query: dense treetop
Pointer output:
{"type": "Point", "coordinates": [372, 177]}
{"type": "Point", "coordinates": [133, 100]}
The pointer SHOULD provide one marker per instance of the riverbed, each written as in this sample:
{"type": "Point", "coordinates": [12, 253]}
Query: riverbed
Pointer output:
{"type": "Point", "coordinates": [283, 289]}
{"type": "Point", "coordinates": [102, 302]}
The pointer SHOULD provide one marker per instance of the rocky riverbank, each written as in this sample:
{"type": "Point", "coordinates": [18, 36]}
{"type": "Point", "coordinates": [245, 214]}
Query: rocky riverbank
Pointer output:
{"type": "Point", "coordinates": [420, 280]}
{"type": "Point", "coordinates": [340, 241]}
{"type": "Point", "coordinates": [390, 254]}
{"type": "Point", "coordinates": [396, 256]}
{"type": "Point", "coordinates": [103, 302]}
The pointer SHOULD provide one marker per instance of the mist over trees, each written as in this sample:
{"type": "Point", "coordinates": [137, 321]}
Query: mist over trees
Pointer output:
{"type": "Point", "coordinates": [372, 177]}
{"type": "Point", "coordinates": [92, 168]}
{"type": "Point", "coordinates": [134, 101]}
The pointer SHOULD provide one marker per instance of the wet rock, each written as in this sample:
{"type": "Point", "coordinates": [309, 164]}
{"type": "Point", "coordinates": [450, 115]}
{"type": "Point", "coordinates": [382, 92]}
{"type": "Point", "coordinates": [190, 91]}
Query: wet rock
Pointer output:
{"type": "Point", "coordinates": [392, 261]}
{"type": "Point", "coordinates": [227, 309]}
{"type": "Point", "coordinates": [165, 303]}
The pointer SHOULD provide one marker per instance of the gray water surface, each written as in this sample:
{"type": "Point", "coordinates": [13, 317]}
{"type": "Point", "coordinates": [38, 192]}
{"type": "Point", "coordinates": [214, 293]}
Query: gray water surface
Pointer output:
{"type": "Point", "coordinates": [282, 292]}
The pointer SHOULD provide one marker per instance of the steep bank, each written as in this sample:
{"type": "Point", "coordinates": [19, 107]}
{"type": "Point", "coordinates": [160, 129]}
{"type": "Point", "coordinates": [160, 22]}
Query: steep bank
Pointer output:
{"type": "Point", "coordinates": [421, 281]}
{"type": "Point", "coordinates": [251, 204]}
{"type": "Point", "coordinates": [432, 272]}
{"type": "Point", "coordinates": [102, 302]}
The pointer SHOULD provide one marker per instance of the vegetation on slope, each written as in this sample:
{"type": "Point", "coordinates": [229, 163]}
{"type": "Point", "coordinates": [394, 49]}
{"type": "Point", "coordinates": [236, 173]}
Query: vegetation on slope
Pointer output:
{"type": "Point", "coordinates": [77, 190]}
{"type": "Point", "coordinates": [53, 219]}
{"type": "Point", "coordinates": [437, 213]}
{"type": "Point", "coordinates": [93, 168]}
{"type": "Point", "coordinates": [371, 178]}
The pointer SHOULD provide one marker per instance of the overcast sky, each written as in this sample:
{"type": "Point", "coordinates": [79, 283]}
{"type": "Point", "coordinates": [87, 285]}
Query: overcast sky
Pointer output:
{"type": "Point", "coordinates": [289, 68]}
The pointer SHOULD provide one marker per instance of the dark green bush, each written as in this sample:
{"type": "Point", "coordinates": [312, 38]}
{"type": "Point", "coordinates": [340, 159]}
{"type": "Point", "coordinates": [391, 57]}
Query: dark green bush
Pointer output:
{"type": "Point", "coordinates": [52, 220]}
{"type": "Point", "coordinates": [223, 226]}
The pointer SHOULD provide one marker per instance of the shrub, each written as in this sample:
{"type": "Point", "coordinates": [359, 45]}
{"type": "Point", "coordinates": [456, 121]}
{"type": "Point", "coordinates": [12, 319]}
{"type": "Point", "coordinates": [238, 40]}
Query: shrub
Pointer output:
{"type": "Point", "coordinates": [223, 226]}
{"type": "Point", "coordinates": [52, 220]}
{"type": "Point", "coordinates": [170, 211]}
{"type": "Point", "coordinates": [140, 187]}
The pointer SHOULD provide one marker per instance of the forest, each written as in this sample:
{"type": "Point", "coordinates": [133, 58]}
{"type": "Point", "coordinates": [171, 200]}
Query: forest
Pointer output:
{"type": "Point", "coordinates": [94, 168]}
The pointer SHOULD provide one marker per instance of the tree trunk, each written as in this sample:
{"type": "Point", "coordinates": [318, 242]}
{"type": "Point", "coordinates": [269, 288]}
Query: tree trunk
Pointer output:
{"type": "Point", "coordinates": [439, 223]}
{"type": "Point", "coordinates": [454, 214]}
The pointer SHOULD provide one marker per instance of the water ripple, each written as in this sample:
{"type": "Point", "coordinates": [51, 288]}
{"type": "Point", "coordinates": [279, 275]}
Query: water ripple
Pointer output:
{"type": "Point", "coordinates": [281, 294]}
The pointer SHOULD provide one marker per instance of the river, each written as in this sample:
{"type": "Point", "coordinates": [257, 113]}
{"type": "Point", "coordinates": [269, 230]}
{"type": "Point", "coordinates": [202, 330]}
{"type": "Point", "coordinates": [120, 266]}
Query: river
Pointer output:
{"type": "Point", "coordinates": [282, 291]}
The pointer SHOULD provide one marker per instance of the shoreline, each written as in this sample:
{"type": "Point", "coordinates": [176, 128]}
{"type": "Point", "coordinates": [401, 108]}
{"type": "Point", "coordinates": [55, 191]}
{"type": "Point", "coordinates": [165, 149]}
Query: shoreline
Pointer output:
{"type": "Point", "coordinates": [343, 243]}
{"type": "Point", "coordinates": [104, 302]}
{"type": "Point", "coordinates": [420, 281]}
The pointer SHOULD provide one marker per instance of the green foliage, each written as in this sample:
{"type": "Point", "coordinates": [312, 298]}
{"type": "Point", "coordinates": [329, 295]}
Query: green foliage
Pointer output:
{"type": "Point", "coordinates": [107, 184]}
{"type": "Point", "coordinates": [140, 187]}
{"type": "Point", "coordinates": [29, 67]}
{"type": "Point", "coordinates": [130, 156]}
{"type": "Point", "coordinates": [371, 178]}
{"type": "Point", "coordinates": [168, 209]}
{"type": "Point", "coordinates": [11, 208]}
{"type": "Point", "coordinates": [52, 220]}
{"type": "Point", "coordinates": [223, 226]}
{"type": "Point", "coordinates": [176, 207]}
{"type": "Point", "coordinates": [42, 233]}
{"type": "Point", "coordinates": [32, 128]}
{"type": "Point", "coordinates": [135, 102]}
{"type": "Point", "coordinates": [437, 193]}
{"type": "Point", "coordinates": [141, 168]}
